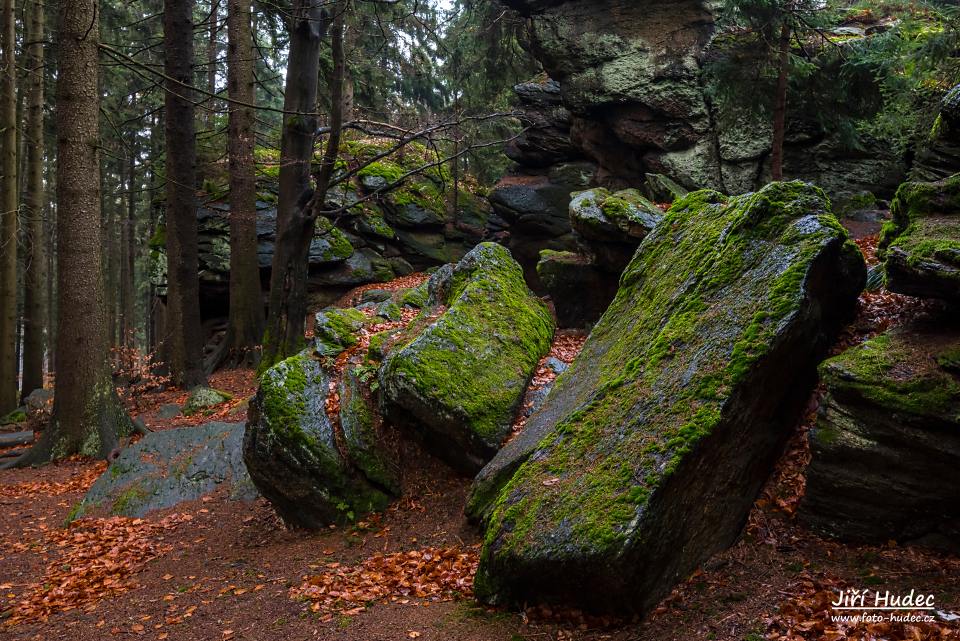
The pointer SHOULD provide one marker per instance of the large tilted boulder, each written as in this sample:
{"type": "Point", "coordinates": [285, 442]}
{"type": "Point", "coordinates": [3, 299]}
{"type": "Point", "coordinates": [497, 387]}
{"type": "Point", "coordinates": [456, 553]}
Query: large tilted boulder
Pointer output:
{"type": "Point", "coordinates": [292, 452]}
{"type": "Point", "coordinates": [921, 245]}
{"type": "Point", "coordinates": [459, 381]}
{"type": "Point", "coordinates": [886, 447]}
{"type": "Point", "coordinates": [651, 448]}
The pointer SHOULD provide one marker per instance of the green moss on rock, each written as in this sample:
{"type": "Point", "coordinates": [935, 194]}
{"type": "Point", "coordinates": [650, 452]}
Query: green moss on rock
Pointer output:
{"type": "Point", "coordinates": [618, 493]}
{"type": "Point", "coordinates": [204, 398]}
{"type": "Point", "coordinates": [921, 244]}
{"type": "Point", "coordinates": [291, 450]}
{"type": "Point", "coordinates": [463, 376]}
{"type": "Point", "coordinates": [890, 372]}
{"type": "Point", "coordinates": [886, 445]}
{"type": "Point", "coordinates": [335, 329]}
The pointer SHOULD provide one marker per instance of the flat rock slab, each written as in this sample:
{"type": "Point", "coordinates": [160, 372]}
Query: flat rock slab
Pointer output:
{"type": "Point", "coordinates": [170, 467]}
{"type": "Point", "coordinates": [886, 447]}
{"type": "Point", "coordinates": [651, 448]}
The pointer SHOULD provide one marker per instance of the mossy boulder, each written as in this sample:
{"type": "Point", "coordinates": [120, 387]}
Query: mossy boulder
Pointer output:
{"type": "Point", "coordinates": [921, 245]}
{"type": "Point", "coordinates": [459, 381]}
{"type": "Point", "coordinates": [886, 447]}
{"type": "Point", "coordinates": [624, 216]}
{"type": "Point", "coordinates": [204, 398]}
{"type": "Point", "coordinates": [18, 415]}
{"type": "Point", "coordinates": [335, 329]}
{"type": "Point", "coordinates": [291, 450]}
{"type": "Point", "coordinates": [651, 448]}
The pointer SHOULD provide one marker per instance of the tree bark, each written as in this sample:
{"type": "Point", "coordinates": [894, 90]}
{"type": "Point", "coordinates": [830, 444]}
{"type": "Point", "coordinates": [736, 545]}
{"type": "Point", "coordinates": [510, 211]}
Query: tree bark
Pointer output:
{"type": "Point", "coordinates": [183, 287]}
{"type": "Point", "coordinates": [246, 305]}
{"type": "Point", "coordinates": [780, 103]}
{"type": "Point", "coordinates": [35, 277]}
{"type": "Point", "coordinates": [87, 415]}
{"type": "Point", "coordinates": [212, 55]}
{"type": "Point", "coordinates": [8, 214]}
{"type": "Point", "coordinates": [287, 308]}
{"type": "Point", "coordinates": [128, 251]}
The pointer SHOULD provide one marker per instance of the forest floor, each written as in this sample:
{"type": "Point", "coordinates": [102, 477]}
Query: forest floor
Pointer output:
{"type": "Point", "coordinates": [217, 569]}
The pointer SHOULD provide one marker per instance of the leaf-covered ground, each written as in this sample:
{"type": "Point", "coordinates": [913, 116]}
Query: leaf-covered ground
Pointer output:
{"type": "Point", "coordinates": [216, 569]}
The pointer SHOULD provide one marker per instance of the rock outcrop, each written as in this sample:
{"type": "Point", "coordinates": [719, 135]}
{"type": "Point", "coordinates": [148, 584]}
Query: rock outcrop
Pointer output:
{"type": "Point", "coordinates": [649, 451]}
{"type": "Point", "coordinates": [448, 360]}
{"type": "Point", "coordinates": [886, 447]}
{"type": "Point", "coordinates": [921, 245]}
{"type": "Point", "coordinates": [607, 227]}
{"type": "Point", "coordinates": [941, 156]}
{"type": "Point", "coordinates": [398, 231]}
{"type": "Point", "coordinates": [632, 85]}
{"type": "Point", "coordinates": [170, 467]}
{"type": "Point", "coordinates": [460, 380]}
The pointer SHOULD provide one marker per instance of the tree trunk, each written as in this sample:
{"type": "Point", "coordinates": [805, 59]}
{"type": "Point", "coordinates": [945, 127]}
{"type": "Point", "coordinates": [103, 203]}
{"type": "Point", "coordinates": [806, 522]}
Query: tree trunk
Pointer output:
{"type": "Point", "coordinates": [127, 250]}
{"type": "Point", "coordinates": [287, 308]}
{"type": "Point", "coordinates": [212, 55]}
{"type": "Point", "coordinates": [183, 287]}
{"type": "Point", "coordinates": [35, 278]}
{"type": "Point", "coordinates": [780, 104]}
{"type": "Point", "coordinates": [87, 414]}
{"type": "Point", "coordinates": [111, 219]}
{"type": "Point", "coordinates": [246, 306]}
{"type": "Point", "coordinates": [8, 214]}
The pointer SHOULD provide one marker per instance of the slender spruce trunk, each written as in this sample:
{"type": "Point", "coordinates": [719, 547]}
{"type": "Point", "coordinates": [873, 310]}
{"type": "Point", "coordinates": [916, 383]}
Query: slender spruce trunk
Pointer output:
{"type": "Point", "coordinates": [287, 303]}
{"type": "Point", "coordinates": [35, 199]}
{"type": "Point", "coordinates": [183, 326]}
{"type": "Point", "coordinates": [8, 212]}
{"type": "Point", "coordinates": [780, 103]}
{"type": "Point", "coordinates": [246, 304]}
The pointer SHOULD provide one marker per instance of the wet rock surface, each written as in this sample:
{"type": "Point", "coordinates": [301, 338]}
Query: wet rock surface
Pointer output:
{"type": "Point", "coordinates": [886, 446]}
{"type": "Point", "coordinates": [921, 245]}
{"type": "Point", "coordinates": [650, 449]}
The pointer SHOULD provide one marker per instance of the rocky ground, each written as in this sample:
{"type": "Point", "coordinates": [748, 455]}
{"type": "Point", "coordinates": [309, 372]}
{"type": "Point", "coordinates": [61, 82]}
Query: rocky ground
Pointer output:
{"type": "Point", "coordinates": [222, 569]}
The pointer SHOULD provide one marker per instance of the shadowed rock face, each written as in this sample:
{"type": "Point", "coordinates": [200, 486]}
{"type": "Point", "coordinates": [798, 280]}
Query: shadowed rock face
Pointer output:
{"type": "Point", "coordinates": [941, 158]}
{"type": "Point", "coordinates": [921, 245]}
{"type": "Point", "coordinates": [649, 451]}
{"type": "Point", "coordinates": [886, 448]}
{"type": "Point", "coordinates": [629, 74]}
{"type": "Point", "coordinates": [635, 101]}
